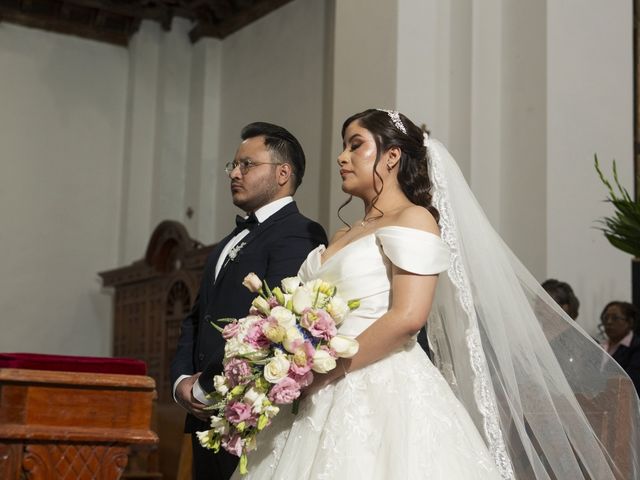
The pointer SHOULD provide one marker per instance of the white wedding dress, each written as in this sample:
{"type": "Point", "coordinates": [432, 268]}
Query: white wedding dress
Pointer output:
{"type": "Point", "coordinates": [395, 419]}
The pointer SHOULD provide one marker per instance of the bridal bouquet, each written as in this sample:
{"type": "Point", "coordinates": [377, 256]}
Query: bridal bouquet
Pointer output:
{"type": "Point", "coordinates": [271, 355]}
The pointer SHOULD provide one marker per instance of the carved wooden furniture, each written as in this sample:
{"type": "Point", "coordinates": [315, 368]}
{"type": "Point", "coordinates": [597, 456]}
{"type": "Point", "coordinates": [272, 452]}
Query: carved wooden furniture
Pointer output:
{"type": "Point", "coordinates": [58, 425]}
{"type": "Point", "coordinates": [152, 297]}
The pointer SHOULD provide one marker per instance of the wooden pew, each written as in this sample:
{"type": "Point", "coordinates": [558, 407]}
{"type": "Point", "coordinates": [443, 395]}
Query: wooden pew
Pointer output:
{"type": "Point", "coordinates": [73, 425]}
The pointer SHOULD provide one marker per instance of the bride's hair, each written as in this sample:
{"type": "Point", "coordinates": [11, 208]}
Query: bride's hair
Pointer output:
{"type": "Point", "coordinates": [413, 168]}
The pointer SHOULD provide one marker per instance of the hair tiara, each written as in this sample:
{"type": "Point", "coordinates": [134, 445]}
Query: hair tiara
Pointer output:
{"type": "Point", "coordinates": [395, 118]}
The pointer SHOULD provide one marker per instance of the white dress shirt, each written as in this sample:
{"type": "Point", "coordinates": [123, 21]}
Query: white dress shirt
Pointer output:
{"type": "Point", "coordinates": [261, 214]}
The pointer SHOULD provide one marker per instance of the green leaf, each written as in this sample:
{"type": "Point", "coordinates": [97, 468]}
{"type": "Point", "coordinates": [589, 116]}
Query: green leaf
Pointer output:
{"type": "Point", "coordinates": [223, 320]}
{"type": "Point", "coordinates": [265, 285]}
{"type": "Point", "coordinates": [622, 229]}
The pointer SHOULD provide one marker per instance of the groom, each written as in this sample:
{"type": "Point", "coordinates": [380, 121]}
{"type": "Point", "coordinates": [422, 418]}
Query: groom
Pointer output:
{"type": "Point", "coordinates": [272, 240]}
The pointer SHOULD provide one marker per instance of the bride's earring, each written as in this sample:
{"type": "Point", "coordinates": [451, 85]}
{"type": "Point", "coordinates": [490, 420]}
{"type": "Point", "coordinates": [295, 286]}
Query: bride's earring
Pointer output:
{"type": "Point", "coordinates": [389, 167]}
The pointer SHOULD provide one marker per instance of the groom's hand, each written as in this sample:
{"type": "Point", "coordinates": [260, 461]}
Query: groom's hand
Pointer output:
{"type": "Point", "coordinates": [184, 396]}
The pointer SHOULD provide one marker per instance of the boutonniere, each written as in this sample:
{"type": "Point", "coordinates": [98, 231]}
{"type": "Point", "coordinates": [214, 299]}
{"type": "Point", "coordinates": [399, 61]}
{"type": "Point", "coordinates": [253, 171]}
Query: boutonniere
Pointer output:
{"type": "Point", "coordinates": [235, 251]}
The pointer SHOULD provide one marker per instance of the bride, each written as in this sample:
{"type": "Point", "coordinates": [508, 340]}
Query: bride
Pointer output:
{"type": "Point", "coordinates": [498, 401]}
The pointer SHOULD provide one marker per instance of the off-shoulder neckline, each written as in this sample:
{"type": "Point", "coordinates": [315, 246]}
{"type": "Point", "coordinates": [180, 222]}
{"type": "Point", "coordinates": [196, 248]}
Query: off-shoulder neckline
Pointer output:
{"type": "Point", "coordinates": [323, 262]}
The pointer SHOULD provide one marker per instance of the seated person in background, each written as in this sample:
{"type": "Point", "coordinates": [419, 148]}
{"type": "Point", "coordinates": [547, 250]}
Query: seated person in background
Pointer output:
{"type": "Point", "coordinates": [618, 320]}
{"type": "Point", "coordinates": [563, 295]}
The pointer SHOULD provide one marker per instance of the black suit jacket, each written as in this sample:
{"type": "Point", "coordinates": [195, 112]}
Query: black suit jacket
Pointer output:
{"type": "Point", "coordinates": [273, 250]}
{"type": "Point", "coordinates": [629, 360]}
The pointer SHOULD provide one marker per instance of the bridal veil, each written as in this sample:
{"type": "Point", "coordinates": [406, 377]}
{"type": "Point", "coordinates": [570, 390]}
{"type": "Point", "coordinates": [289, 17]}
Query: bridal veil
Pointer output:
{"type": "Point", "coordinates": [550, 403]}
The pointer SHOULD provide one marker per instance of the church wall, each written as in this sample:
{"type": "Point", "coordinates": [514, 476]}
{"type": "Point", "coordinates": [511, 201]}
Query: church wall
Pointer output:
{"type": "Point", "coordinates": [590, 110]}
{"type": "Point", "coordinates": [364, 59]}
{"type": "Point", "coordinates": [162, 131]}
{"type": "Point", "coordinates": [63, 107]}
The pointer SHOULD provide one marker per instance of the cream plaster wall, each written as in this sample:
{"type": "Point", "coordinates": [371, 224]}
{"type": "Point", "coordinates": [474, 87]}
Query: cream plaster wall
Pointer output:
{"type": "Point", "coordinates": [590, 110]}
{"type": "Point", "coordinates": [61, 130]}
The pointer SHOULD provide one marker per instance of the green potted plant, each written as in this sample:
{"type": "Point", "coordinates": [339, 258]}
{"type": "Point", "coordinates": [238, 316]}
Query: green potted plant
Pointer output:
{"type": "Point", "coordinates": [622, 229]}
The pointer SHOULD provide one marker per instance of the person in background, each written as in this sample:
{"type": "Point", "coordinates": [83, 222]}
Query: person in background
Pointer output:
{"type": "Point", "coordinates": [618, 321]}
{"type": "Point", "coordinates": [563, 295]}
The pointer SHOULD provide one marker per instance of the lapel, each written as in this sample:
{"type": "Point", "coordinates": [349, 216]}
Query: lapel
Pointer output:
{"type": "Point", "coordinates": [288, 209]}
{"type": "Point", "coordinates": [214, 256]}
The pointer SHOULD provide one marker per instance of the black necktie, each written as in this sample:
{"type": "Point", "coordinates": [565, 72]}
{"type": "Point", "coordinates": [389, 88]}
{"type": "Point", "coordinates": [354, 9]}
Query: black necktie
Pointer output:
{"type": "Point", "coordinates": [248, 223]}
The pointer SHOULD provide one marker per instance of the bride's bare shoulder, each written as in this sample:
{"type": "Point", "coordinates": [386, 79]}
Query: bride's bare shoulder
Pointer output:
{"type": "Point", "coordinates": [417, 217]}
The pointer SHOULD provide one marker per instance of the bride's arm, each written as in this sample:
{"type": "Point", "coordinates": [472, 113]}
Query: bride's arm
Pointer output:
{"type": "Point", "coordinates": [411, 299]}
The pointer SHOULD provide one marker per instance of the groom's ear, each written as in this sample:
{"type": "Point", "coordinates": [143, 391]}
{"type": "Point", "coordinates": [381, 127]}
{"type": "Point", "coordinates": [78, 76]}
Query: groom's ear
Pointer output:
{"type": "Point", "coordinates": [284, 173]}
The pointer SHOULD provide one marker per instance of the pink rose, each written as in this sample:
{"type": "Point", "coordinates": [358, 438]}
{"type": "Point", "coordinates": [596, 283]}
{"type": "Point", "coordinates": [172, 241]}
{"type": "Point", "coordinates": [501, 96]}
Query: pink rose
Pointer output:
{"type": "Point", "coordinates": [252, 421]}
{"type": "Point", "coordinates": [303, 380]}
{"type": "Point", "coordinates": [237, 371]}
{"type": "Point", "coordinates": [230, 331]}
{"type": "Point", "coordinates": [255, 336]}
{"type": "Point", "coordinates": [237, 412]}
{"type": "Point", "coordinates": [308, 318]}
{"type": "Point", "coordinates": [319, 323]}
{"type": "Point", "coordinates": [302, 359]}
{"type": "Point", "coordinates": [285, 391]}
{"type": "Point", "coordinates": [233, 444]}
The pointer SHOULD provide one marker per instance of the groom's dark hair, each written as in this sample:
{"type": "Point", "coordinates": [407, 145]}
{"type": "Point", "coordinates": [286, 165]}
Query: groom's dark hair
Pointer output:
{"type": "Point", "coordinates": [282, 145]}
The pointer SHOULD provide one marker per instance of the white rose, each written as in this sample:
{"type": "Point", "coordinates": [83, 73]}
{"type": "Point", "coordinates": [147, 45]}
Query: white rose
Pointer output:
{"type": "Point", "coordinates": [274, 332]}
{"type": "Point", "coordinates": [290, 284]}
{"type": "Point", "coordinates": [219, 425]}
{"type": "Point", "coordinates": [338, 309]}
{"type": "Point", "coordinates": [220, 384]}
{"type": "Point", "coordinates": [292, 337]}
{"type": "Point", "coordinates": [254, 398]}
{"type": "Point", "coordinates": [323, 361]}
{"type": "Point", "coordinates": [284, 317]}
{"type": "Point", "coordinates": [252, 282]}
{"type": "Point", "coordinates": [345, 347]}
{"type": "Point", "coordinates": [205, 438]}
{"type": "Point", "coordinates": [302, 299]}
{"type": "Point", "coordinates": [276, 369]}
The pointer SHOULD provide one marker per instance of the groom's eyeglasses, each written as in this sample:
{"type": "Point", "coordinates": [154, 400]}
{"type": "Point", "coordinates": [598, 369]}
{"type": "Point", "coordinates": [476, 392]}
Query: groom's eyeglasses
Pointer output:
{"type": "Point", "coordinates": [245, 165]}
